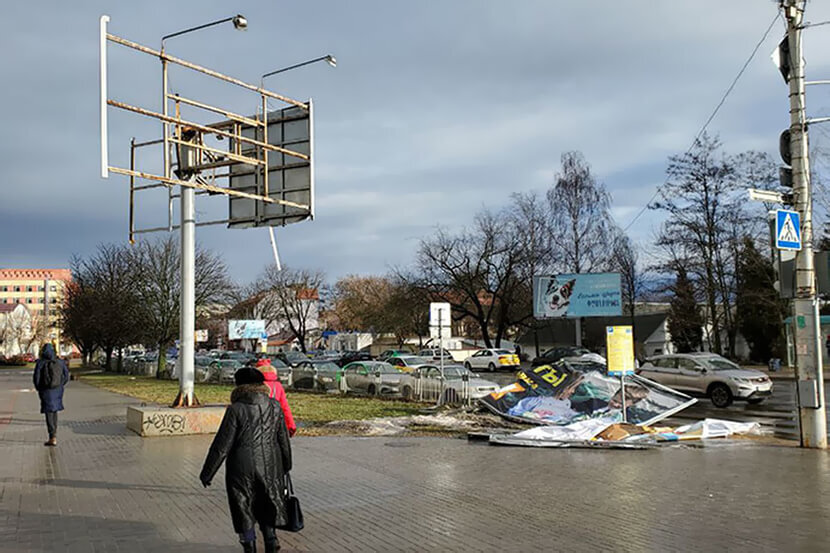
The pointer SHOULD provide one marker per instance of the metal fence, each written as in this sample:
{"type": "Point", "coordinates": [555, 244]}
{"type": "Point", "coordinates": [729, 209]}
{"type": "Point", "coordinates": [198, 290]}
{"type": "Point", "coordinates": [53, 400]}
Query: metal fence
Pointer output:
{"type": "Point", "coordinates": [412, 386]}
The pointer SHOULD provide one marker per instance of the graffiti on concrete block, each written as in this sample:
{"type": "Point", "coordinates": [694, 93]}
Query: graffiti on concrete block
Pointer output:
{"type": "Point", "coordinates": [165, 423]}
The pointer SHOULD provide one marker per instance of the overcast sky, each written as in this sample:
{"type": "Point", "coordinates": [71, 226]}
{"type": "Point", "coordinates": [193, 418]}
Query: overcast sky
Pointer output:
{"type": "Point", "coordinates": [435, 110]}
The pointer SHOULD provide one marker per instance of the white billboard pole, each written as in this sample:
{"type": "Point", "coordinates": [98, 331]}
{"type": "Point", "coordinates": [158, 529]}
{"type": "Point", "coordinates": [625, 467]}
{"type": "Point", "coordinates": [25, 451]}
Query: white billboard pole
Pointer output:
{"type": "Point", "coordinates": [102, 79]}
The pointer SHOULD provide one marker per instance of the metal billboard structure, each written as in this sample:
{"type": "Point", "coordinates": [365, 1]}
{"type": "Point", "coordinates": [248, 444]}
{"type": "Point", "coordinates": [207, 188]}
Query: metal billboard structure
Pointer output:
{"type": "Point", "coordinates": [263, 164]}
{"type": "Point", "coordinates": [286, 178]}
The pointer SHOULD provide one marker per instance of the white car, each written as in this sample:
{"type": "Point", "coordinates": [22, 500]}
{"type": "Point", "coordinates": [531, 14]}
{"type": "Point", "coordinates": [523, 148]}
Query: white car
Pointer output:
{"type": "Point", "coordinates": [491, 359]}
{"type": "Point", "coordinates": [708, 375]}
{"type": "Point", "coordinates": [426, 381]}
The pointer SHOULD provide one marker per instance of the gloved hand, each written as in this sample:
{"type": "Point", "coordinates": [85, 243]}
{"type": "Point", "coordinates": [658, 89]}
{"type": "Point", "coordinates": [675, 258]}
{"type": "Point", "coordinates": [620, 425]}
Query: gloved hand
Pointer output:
{"type": "Point", "coordinates": [205, 483]}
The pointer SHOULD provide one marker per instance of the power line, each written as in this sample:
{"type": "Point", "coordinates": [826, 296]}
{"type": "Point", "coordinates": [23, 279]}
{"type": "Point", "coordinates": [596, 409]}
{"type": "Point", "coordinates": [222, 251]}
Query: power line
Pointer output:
{"type": "Point", "coordinates": [711, 117]}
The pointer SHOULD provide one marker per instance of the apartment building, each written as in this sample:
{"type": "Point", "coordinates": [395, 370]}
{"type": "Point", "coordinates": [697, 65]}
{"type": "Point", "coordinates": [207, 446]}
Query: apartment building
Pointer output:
{"type": "Point", "coordinates": [40, 290]}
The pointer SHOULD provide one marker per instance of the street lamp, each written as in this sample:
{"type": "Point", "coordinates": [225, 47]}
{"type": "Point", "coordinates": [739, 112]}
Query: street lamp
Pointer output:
{"type": "Point", "coordinates": [187, 323]}
{"type": "Point", "coordinates": [328, 58]}
{"type": "Point", "coordinates": [332, 61]}
{"type": "Point", "coordinates": [239, 22]}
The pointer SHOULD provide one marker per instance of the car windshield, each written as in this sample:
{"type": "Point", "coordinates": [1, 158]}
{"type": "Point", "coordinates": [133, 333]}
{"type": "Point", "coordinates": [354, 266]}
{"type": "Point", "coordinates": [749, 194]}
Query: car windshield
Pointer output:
{"type": "Point", "coordinates": [415, 360]}
{"type": "Point", "coordinates": [277, 363]}
{"type": "Point", "coordinates": [455, 372]}
{"type": "Point", "coordinates": [721, 364]}
{"type": "Point", "coordinates": [295, 356]}
{"type": "Point", "coordinates": [202, 361]}
{"type": "Point", "coordinates": [231, 364]}
{"type": "Point", "coordinates": [328, 366]}
{"type": "Point", "coordinates": [383, 368]}
{"type": "Point", "coordinates": [503, 352]}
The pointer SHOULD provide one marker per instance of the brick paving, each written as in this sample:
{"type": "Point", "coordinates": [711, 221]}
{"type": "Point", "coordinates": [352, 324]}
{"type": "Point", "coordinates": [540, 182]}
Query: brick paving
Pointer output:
{"type": "Point", "coordinates": [105, 489]}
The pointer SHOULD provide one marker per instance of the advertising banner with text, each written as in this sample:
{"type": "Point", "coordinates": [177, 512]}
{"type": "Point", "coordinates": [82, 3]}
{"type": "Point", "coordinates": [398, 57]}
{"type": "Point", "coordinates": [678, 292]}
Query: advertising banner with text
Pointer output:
{"type": "Point", "coordinates": [572, 295]}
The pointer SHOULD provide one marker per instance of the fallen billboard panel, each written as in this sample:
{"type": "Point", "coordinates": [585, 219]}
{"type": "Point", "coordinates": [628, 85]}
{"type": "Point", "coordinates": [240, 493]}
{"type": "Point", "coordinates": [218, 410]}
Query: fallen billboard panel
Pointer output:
{"type": "Point", "coordinates": [570, 391]}
{"type": "Point", "coordinates": [606, 434]}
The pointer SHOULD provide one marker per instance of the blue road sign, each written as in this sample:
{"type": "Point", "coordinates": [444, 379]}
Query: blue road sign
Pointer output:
{"type": "Point", "coordinates": [787, 230]}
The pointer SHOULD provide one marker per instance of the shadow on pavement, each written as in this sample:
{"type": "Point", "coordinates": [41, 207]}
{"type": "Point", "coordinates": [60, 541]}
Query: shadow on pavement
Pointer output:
{"type": "Point", "coordinates": [97, 485]}
{"type": "Point", "coordinates": [62, 532]}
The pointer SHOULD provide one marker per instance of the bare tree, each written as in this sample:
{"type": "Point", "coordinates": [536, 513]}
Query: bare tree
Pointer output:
{"type": "Point", "coordinates": [624, 260]}
{"type": "Point", "coordinates": [77, 318]}
{"type": "Point", "coordinates": [291, 297]}
{"type": "Point", "coordinates": [581, 225]}
{"type": "Point", "coordinates": [105, 289]}
{"type": "Point", "coordinates": [18, 329]}
{"type": "Point", "coordinates": [157, 267]}
{"type": "Point", "coordinates": [477, 272]}
{"type": "Point", "coordinates": [381, 305]}
{"type": "Point", "coordinates": [707, 219]}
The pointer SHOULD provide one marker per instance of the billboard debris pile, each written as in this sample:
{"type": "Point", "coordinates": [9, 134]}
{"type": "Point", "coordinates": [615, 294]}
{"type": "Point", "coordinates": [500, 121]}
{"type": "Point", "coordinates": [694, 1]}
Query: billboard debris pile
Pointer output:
{"type": "Point", "coordinates": [573, 390]}
{"type": "Point", "coordinates": [604, 433]}
{"type": "Point", "coordinates": [574, 402]}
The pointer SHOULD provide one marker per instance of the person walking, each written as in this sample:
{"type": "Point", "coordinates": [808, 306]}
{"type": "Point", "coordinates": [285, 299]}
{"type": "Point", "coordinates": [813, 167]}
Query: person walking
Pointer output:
{"type": "Point", "coordinates": [49, 378]}
{"type": "Point", "coordinates": [272, 380]}
{"type": "Point", "coordinates": [253, 441]}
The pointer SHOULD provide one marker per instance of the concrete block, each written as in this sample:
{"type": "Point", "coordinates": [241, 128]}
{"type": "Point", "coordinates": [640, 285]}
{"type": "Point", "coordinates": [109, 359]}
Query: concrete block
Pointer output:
{"type": "Point", "coordinates": [153, 420]}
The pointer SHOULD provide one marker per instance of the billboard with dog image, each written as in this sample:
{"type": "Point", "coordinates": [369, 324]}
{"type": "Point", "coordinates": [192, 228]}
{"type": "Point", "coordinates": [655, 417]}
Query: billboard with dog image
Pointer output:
{"type": "Point", "coordinates": [571, 295]}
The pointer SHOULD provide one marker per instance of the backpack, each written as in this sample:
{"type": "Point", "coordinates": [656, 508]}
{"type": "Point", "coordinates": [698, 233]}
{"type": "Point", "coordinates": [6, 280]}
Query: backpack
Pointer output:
{"type": "Point", "coordinates": [51, 375]}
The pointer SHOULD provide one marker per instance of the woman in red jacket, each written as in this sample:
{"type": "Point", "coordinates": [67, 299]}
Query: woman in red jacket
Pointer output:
{"type": "Point", "coordinates": [272, 380]}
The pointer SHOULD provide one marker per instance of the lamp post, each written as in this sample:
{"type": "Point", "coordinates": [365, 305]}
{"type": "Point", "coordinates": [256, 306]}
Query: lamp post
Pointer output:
{"type": "Point", "coordinates": [332, 61]}
{"type": "Point", "coordinates": [187, 306]}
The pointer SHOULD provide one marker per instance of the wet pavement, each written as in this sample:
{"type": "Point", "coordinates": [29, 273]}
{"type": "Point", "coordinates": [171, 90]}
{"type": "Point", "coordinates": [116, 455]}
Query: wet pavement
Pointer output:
{"type": "Point", "coordinates": [106, 489]}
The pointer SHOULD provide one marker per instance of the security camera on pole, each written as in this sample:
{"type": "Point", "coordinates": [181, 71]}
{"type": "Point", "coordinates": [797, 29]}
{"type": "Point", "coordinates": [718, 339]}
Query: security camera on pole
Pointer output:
{"type": "Point", "coordinates": [809, 370]}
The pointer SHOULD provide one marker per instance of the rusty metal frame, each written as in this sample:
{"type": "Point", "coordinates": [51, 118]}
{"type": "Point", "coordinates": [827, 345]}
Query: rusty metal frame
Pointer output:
{"type": "Point", "coordinates": [208, 158]}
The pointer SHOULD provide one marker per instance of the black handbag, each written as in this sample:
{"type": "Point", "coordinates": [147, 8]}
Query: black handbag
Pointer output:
{"type": "Point", "coordinates": [293, 512]}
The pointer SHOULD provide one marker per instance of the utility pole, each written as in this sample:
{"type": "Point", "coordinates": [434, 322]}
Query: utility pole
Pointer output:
{"type": "Point", "coordinates": [809, 371]}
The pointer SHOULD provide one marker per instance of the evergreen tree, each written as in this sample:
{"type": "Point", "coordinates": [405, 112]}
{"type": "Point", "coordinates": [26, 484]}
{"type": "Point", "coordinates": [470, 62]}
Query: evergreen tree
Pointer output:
{"type": "Point", "coordinates": [760, 311]}
{"type": "Point", "coordinates": [685, 319]}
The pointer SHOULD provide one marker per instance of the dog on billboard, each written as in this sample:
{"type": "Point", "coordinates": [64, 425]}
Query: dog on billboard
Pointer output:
{"type": "Point", "coordinates": [559, 297]}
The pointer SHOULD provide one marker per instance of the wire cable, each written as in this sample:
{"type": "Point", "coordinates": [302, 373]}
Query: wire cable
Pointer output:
{"type": "Point", "coordinates": [659, 190]}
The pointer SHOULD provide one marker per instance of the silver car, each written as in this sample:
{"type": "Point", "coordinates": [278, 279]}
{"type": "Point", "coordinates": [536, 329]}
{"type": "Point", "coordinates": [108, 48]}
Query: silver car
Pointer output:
{"type": "Point", "coordinates": [425, 381]}
{"type": "Point", "coordinates": [709, 375]}
{"type": "Point", "coordinates": [370, 377]}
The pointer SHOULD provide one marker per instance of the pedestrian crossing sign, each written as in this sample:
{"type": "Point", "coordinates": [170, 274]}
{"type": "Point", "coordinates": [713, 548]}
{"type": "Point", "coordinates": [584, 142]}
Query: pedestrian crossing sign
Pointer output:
{"type": "Point", "coordinates": [787, 230]}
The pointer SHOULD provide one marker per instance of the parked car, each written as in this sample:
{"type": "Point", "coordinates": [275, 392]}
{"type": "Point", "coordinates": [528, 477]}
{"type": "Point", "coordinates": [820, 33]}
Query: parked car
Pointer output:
{"type": "Point", "coordinates": [327, 355]}
{"type": "Point", "coordinates": [708, 375]}
{"type": "Point", "coordinates": [491, 359]}
{"type": "Point", "coordinates": [430, 382]}
{"type": "Point", "coordinates": [201, 368]}
{"type": "Point", "coordinates": [290, 358]}
{"type": "Point", "coordinates": [241, 356]}
{"type": "Point", "coordinates": [370, 377]}
{"type": "Point", "coordinates": [392, 353]}
{"type": "Point", "coordinates": [317, 375]}
{"type": "Point", "coordinates": [560, 352]}
{"type": "Point", "coordinates": [435, 354]}
{"type": "Point", "coordinates": [225, 369]}
{"type": "Point", "coordinates": [406, 363]}
{"type": "Point", "coordinates": [351, 356]}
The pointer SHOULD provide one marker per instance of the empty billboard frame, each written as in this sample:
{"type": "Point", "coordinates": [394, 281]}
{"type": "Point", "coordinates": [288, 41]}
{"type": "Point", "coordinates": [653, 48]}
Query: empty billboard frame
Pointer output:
{"type": "Point", "coordinates": [288, 178]}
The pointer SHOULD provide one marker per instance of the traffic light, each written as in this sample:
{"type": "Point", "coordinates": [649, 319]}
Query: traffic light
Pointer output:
{"type": "Point", "coordinates": [785, 178]}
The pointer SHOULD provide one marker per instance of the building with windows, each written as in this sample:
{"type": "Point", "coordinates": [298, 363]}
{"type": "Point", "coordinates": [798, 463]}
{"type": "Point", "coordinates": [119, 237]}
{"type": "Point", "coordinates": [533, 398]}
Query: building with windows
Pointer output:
{"type": "Point", "coordinates": [41, 291]}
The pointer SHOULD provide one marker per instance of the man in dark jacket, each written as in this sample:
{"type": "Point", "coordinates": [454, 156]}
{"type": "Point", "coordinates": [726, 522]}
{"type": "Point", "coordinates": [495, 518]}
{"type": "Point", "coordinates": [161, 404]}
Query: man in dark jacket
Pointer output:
{"type": "Point", "coordinates": [254, 440]}
{"type": "Point", "coordinates": [51, 398]}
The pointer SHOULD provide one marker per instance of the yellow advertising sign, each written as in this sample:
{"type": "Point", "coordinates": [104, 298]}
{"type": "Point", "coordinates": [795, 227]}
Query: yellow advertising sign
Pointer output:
{"type": "Point", "coordinates": [620, 348]}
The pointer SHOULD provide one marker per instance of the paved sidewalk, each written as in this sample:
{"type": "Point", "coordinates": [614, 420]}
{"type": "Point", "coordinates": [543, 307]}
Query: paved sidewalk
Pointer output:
{"type": "Point", "coordinates": [105, 489]}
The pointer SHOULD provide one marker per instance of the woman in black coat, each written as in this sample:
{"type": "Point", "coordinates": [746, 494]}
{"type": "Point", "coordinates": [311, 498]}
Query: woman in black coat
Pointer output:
{"type": "Point", "coordinates": [254, 440]}
{"type": "Point", "coordinates": [51, 397]}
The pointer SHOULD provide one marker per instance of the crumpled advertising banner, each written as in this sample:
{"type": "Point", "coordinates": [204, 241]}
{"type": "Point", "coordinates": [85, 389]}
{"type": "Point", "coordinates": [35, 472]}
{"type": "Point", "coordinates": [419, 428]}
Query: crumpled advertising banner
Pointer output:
{"type": "Point", "coordinates": [569, 391]}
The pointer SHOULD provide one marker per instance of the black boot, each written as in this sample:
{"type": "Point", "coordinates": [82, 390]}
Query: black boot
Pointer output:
{"type": "Point", "coordinates": [249, 546]}
{"type": "Point", "coordinates": [272, 543]}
